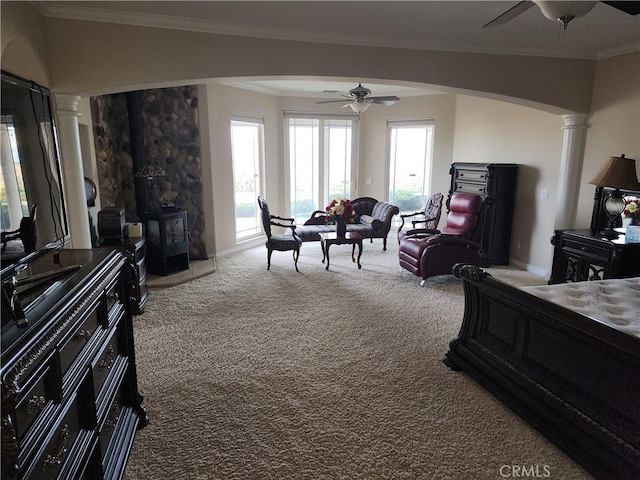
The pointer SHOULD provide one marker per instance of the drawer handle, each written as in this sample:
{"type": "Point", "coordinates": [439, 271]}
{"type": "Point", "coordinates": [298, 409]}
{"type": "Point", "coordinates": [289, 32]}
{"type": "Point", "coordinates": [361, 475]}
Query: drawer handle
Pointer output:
{"type": "Point", "coordinates": [585, 249]}
{"type": "Point", "coordinates": [83, 335]}
{"type": "Point", "coordinates": [35, 403]}
{"type": "Point", "coordinates": [113, 418]}
{"type": "Point", "coordinates": [107, 361]}
{"type": "Point", "coordinates": [55, 459]}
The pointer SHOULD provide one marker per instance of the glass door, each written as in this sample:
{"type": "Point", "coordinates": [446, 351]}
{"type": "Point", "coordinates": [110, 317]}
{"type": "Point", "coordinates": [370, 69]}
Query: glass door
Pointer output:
{"type": "Point", "coordinates": [410, 159]}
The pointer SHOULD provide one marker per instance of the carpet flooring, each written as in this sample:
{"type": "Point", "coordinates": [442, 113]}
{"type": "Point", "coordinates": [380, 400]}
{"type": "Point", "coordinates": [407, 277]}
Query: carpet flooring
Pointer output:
{"type": "Point", "coordinates": [338, 374]}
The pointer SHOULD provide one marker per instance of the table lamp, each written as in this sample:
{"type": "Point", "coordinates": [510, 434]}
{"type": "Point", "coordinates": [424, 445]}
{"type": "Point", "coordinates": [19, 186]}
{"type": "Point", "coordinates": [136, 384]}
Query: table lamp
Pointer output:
{"type": "Point", "coordinates": [150, 172]}
{"type": "Point", "coordinates": [618, 173]}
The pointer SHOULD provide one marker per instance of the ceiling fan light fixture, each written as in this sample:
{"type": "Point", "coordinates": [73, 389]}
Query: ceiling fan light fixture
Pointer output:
{"type": "Point", "coordinates": [359, 107]}
{"type": "Point", "coordinates": [563, 11]}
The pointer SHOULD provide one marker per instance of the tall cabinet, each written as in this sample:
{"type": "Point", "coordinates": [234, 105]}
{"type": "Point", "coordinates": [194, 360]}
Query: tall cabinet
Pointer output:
{"type": "Point", "coordinates": [496, 184]}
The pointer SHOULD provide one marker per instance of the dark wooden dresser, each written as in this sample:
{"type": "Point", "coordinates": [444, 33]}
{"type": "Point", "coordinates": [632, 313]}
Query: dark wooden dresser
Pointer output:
{"type": "Point", "coordinates": [581, 255]}
{"type": "Point", "coordinates": [496, 184]}
{"type": "Point", "coordinates": [70, 400]}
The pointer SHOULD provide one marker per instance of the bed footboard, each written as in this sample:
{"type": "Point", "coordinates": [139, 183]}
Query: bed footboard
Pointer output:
{"type": "Point", "coordinates": [575, 380]}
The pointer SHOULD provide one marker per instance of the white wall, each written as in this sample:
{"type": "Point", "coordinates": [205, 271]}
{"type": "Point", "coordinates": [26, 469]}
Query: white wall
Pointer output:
{"type": "Point", "coordinates": [220, 103]}
{"type": "Point", "coordinates": [497, 132]}
{"type": "Point", "coordinates": [614, 123]}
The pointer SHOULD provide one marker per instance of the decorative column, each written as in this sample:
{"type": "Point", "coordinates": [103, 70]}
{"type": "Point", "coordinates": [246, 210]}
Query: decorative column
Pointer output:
{"type": "Point", "coordinates": [72, 170]}
{"type": "Point", "coordinates": [575, 133]}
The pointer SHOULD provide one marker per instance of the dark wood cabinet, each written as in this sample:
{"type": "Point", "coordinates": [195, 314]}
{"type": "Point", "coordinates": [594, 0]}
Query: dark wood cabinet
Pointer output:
{"type": "Point", "coordinates": [496, 184]}
{"type": "Point", "coordinates": [167, 241]}
{"type": "Point", "coordinates": [70, 400]}
{"type": "Point", "coordinates": [137, 248]}
{"type": "Point", "coordinates": [581, 255]}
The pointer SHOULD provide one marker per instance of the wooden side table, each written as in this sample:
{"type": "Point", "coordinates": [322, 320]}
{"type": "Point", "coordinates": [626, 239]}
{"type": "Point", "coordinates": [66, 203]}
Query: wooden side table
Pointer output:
{"type": "Point", "coordinates": [351, 238]}
{"type": "Point", "coordinates": [581, 255]}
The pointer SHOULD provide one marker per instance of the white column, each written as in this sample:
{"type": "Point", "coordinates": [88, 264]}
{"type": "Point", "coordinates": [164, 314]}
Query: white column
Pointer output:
{"type": "Point", "coordinates": [72, 171]}
{"type": "Point", "coordinates": [10, 180]}
{"type": "Point", "coordinates": [575, 134]}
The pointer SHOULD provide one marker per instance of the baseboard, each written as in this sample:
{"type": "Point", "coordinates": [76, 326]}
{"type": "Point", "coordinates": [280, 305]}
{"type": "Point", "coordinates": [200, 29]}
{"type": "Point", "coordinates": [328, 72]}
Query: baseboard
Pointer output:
{"type": "Point", "coordinates": [254, 242]}
{"type": "Point", "coordinates": [530, 268]}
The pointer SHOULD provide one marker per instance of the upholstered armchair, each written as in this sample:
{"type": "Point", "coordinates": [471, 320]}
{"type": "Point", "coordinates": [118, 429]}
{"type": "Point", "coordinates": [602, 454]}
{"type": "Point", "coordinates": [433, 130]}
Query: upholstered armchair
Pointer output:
{"type": "Point", "coordinates": [427, 219]}
{"type": "Point", "coordinates": [458, 242]}
{"type": "Point", "coordinates": [283, 242]}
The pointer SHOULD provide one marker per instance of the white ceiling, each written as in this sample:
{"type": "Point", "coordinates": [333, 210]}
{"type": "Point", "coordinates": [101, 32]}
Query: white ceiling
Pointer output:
{"type": "Point", "coordinates": [434, 25]}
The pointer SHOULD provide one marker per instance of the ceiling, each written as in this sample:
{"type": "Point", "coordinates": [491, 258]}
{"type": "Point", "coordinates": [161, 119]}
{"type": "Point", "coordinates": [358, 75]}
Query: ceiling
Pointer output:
{"type": "Point", "coordinates": [433, 25]}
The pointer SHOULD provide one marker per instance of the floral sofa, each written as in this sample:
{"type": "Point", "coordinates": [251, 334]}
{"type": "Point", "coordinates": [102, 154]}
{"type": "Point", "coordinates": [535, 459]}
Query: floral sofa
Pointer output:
{"type": "Point", "coordinates": [373, 220]}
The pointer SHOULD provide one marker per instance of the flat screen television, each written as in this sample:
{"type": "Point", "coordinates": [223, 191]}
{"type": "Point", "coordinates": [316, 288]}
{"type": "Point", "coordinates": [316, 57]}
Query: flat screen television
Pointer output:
{"type": "Point", "coordinates": [30, 178]}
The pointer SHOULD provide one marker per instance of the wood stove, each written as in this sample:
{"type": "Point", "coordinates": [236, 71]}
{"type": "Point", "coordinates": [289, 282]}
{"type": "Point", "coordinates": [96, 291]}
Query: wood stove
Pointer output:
{"type": "Point", "coordinates": [167, 241]}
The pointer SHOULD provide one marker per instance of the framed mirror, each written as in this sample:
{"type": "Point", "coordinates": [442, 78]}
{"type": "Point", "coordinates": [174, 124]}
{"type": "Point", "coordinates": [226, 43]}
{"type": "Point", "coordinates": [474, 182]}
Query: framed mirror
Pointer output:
{"type": "Point", "coordinates": [31, 196]}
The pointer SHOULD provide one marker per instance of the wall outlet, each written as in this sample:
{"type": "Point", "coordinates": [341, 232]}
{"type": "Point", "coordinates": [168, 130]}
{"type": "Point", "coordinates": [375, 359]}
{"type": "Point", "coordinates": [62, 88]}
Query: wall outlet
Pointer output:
{"type": "Point", "coordinates": [544, 193]}
{"type": "Point", "coordinates": [368, 181]}
{"type": "Point", "coordinates": [517, 244]}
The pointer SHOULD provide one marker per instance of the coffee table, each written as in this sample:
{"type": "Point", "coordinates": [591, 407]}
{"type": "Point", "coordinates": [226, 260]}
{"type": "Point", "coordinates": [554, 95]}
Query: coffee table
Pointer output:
{"type": "Point", "coordinates": [351, 238]}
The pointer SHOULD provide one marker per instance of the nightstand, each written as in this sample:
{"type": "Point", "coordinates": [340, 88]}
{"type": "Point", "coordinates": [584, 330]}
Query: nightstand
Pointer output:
{"type": "Point", "coordinates": [581, 255]}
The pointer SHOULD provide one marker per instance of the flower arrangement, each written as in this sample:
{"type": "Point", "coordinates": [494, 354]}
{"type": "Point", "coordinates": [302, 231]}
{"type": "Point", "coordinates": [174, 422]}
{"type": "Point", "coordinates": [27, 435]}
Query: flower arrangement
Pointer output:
{"type": "Point", "coordinates": [632, 209]}
{"type": "Point", "coordinates": [340, 209]}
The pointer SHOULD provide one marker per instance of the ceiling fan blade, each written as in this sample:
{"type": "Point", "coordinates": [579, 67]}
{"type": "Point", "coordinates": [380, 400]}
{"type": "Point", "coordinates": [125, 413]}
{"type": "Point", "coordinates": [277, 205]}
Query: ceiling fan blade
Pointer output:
{"type": "Point", "coordinates": [512, 13]}
{"type": "Point", "coordinates": [390, 100]}
{"type": "Point", "coordinates": [335, 101]}
{"type": "Point", "coordinates": [632, 8]}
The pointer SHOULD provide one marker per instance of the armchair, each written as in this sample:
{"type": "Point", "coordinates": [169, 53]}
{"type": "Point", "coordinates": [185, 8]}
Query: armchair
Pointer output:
{"type": "Point", "coordinates": [428, 218]}
{"type": "Point", "coordinates": [458, 242]}
{"type": "Point", "coordinates": [284, 242]}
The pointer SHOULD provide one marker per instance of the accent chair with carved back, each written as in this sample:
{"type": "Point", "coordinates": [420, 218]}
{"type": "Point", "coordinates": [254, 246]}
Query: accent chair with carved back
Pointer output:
{"type": "Point", "coordinates": [284, 242]}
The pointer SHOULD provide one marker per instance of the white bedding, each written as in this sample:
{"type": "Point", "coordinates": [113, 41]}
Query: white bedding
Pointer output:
{"type": "Point", "coordinates": [613, 302]}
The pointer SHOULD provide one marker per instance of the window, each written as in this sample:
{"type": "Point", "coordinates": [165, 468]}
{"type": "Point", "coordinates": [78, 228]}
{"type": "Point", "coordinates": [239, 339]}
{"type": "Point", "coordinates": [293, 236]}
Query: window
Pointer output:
{"type": "Point", "coordinates": [410, 159]}
{"type": "Point", "coordinates": [321, 152]}
{"type": "Point", "coordinates": [247, 154]}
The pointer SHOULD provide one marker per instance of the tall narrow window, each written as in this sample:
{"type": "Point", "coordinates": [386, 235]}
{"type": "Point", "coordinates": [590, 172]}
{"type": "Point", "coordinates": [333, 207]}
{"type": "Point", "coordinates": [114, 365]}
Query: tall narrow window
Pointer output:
{"type": "Point", "coordinates": [247, 153]}
{"type": "Point", "coordinates": [320, 163]}
{"type": "Point", "coordinates": [410, 159]}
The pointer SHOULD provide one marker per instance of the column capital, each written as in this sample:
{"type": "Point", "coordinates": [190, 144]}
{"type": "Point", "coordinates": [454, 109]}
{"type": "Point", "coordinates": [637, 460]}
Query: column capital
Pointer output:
{"type": "Point", "coordinates": [575, 120]}
{"type": "Point", "coordinates": [67, 104]}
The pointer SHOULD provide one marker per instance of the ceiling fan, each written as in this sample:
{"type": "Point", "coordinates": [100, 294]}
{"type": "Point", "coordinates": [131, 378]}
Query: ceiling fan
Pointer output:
{"type": "Point", "coordinates": [360, 99]}
{"type": "Point", "coordinates": [562, 11]}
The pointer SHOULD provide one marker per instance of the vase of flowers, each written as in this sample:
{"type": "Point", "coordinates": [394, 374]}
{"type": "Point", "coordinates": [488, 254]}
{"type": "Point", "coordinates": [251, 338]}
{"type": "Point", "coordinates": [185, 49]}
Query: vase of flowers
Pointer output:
{"type": "Point", "coordinates": [631, 212]}
{"type": "Point", "coordinates": [340, 212]}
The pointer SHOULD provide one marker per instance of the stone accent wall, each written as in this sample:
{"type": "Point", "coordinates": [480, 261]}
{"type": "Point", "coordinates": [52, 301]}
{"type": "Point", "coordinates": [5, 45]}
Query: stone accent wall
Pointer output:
{"type": "Point", "coordinates": [113, 153]}
{"type": "Point", "coordinates": [171, 141]}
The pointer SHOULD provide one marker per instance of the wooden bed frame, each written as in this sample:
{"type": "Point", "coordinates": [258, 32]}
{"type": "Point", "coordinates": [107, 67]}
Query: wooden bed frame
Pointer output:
{"type": "Point", "coordinates": [575, 380]}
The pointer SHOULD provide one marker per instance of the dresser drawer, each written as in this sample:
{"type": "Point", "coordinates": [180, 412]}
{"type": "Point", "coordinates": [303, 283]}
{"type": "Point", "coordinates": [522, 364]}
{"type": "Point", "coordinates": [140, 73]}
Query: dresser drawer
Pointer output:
{"type": "Point", "coordinates": [471, 175]}
{"type": "Point", "coordinates": [602, 252]}
{"type": "Point", "coordinates": [477, 189]}
{"type": "Point", "coordinates": [38, 397]}
{"type": "Point", "coordinates": [79, 339]}
{"type": "Point", "coordinates": [110, 423]}
{"type": "Point", "coordinates": [106, 361]}
{"type": "Point", "coordinates": [113, 295]}
{"type": "Point", "coordinates": [60, 445]}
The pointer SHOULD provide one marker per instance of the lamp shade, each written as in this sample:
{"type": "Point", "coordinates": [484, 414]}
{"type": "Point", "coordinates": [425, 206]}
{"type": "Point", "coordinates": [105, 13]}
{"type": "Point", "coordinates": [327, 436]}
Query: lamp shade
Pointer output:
{"type": "Point", "coordinates": [618, 172]}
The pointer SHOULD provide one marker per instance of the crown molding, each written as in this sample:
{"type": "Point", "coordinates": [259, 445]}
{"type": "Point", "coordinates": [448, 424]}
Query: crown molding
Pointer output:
{"type": "Point", "coordinates": [617, 51]}
{"type": "Point", "coordinates": [86, 13]}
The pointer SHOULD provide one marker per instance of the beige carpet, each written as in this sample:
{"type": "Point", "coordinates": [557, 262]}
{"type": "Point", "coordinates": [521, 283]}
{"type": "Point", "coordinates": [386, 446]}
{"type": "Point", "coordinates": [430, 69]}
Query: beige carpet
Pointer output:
{"type": "Point", "coordinates": [250, 374]}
